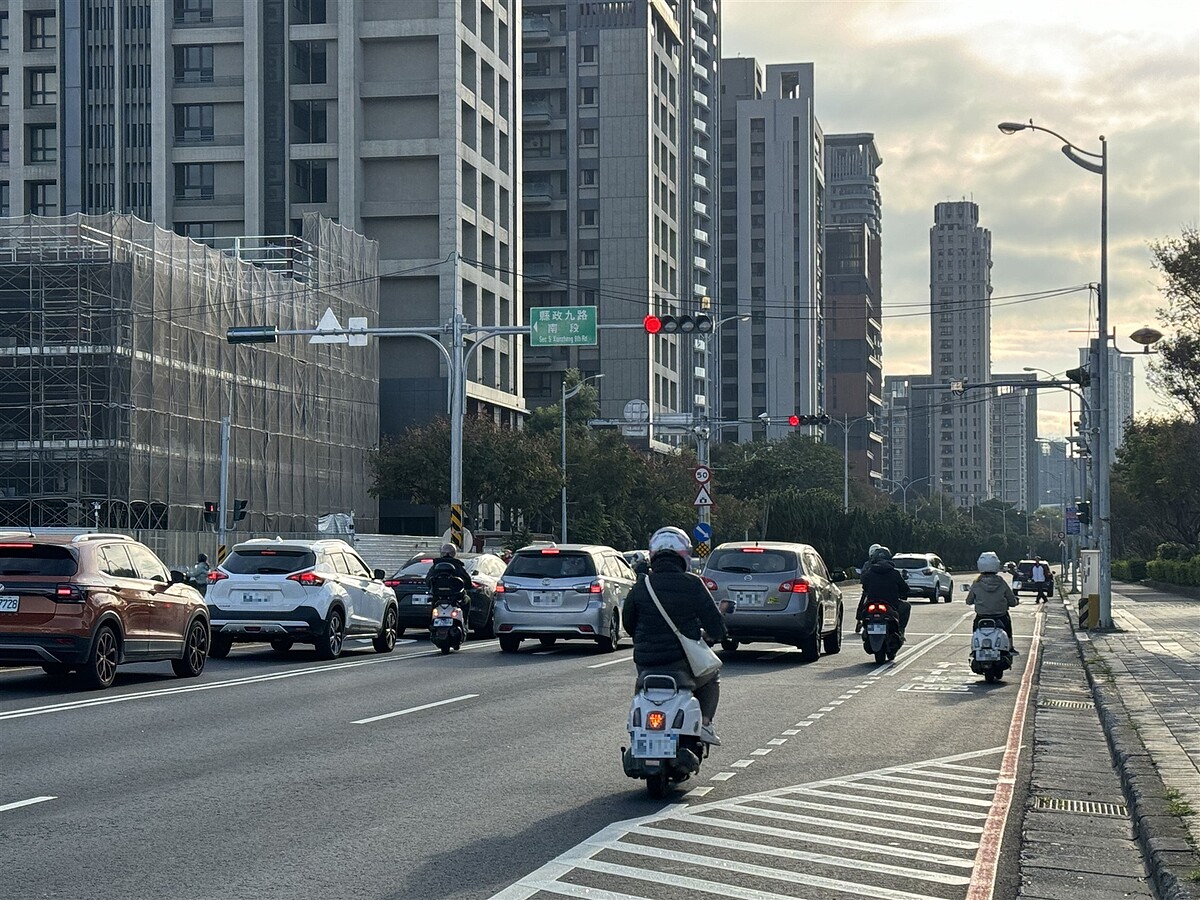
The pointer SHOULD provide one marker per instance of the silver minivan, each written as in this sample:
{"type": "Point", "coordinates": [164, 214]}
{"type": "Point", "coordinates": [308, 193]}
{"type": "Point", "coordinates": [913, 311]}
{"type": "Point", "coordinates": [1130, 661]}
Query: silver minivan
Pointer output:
{"type": "Point", "coordinates": [562, 591]}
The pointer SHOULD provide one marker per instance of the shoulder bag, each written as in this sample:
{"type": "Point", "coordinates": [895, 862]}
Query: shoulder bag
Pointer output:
{"type": "Point", "coordinates": [700, 657]}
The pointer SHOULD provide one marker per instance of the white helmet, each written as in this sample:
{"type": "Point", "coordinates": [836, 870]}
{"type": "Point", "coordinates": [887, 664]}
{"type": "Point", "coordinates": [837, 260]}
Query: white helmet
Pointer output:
{"type": "Point", "coordinates": [871, 550]}
{"type": "Point", "coordinates": [671, 540]}
{"type": "Point", "coordinates": [988, 562]}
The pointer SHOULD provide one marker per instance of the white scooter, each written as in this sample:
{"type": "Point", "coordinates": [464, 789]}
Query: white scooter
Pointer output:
{"type": "Point", "coordinates": [664, 735]}
{"type": "Point", "coordinates": [991, 654]}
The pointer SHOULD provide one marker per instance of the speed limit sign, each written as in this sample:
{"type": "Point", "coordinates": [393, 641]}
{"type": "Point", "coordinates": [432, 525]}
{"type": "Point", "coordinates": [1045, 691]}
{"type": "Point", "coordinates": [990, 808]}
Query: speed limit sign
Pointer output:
{"type": "Point", "coordinates": [702, 474]}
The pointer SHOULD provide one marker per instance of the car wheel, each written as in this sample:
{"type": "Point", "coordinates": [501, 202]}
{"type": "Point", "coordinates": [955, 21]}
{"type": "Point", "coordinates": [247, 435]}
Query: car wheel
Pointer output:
{"type": "Point", "coordinates": [56, 670]}
{"type": "Point", "coordinates": [509, 643]}
{"type": "Point", "coordinates": [385, 641]}
{"type": "Point", "coordinates": [281, 645]}
{"type": "Point", "coordinates": [833, 640]}
{"type": "Point", "coordinates": [950, 593]}
{"type": "Point", "coordinates": [195, 651]}
{"type": "Point", "coordinates": [101, 666]}
{"type": "Point", "coordinates": [400, 629]}
{"type": "Point", "coordinates": [548, 641]}
{"type": "Point", "coordinates": [329, 643]}
{"type": "Point", "coordinates": [219, 647]}
{"type": "Point", "coordinates": [810, 646]}
{"type": "Point", "coordinates": [612, 640]}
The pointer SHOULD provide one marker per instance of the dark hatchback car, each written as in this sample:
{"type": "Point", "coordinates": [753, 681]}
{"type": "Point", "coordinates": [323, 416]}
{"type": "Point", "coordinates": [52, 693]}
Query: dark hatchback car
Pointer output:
{"type": "Point", "coordinates": [90, 602]}
{"type": "Point", "coordinates": [783, 592]}
{"type": "Point", "coordinates": [412, 593]}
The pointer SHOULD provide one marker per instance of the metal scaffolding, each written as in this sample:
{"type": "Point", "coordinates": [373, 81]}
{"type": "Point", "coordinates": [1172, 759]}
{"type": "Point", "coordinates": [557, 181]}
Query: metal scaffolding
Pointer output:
{"type": "Point", "coordinates": [115, 373]}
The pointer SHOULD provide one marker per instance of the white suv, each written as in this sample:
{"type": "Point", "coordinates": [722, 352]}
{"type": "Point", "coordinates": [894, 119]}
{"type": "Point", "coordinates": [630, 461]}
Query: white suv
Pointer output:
{"type": "Point", "coordinates": [926, 576]}
{"type": "Point", "coordinates": [311, 592]}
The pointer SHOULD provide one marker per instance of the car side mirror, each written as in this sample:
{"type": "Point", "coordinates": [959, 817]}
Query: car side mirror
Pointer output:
{"type": "Point", "coordinates": [904, 574]}
{"type": "Point", "coordinates": [838, 576]}
{"type": "Point", "coordinates": [379, 574]}
{"type": "Point", "coordinates": [177, 577]}
{"type": "Point", "coordinates": [965, 588]}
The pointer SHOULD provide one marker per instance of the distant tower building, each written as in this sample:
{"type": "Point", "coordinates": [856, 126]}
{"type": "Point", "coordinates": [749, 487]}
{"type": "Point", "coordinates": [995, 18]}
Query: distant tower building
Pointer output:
{"type": "Point", "coordinates": [905, 431]}
{"type": "Point", "coordinates": [853, 328]}
{"type": "Point", "coordinates": [772, 193]}
{"type": "Point", "coordinates": [1014, 443]}
{"type": "Point", "coordinates": [1056, 475]}
{"type": "Point", "coordinates": [960, 289]}
{"type": "Point", "coordinates": [1120, 391]}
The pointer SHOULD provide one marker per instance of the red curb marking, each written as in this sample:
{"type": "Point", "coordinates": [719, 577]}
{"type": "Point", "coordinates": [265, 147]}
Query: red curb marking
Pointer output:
{"type": "Point", "coordinates": [983, 876]}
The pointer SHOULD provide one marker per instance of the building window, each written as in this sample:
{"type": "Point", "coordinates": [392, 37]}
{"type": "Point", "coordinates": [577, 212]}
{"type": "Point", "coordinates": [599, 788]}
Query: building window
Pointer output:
{"type": "Point", "coordinates": [42, 198]}
{"type": "Point", "coordinates": [588, 137]}
{"type": "Point", "coordinates": [5, 198]}
{"type": "Point", "coordinates": [194, 64]}
{"type": "Point", "coordinates": [588, 217]}
{"type": "Point", "coordinates": [587, 96]}
{"type": "Point", "coordinates": [3, 143]}
{"type": "Point", "coordinates": [308, 62]}
{"type": "Point", "coordinates": [194, 181]}
{"type": "Point", "coordinates": [3, 30]}
{"type": "Point", "coordinates": [310, 181]}
{"type": "Point", "coordinates": [42, 30]}
{"type": "Point", "coordinates": [3, 87]}
{"type": "Point", "coordinates": [587, 177]}
{"type": "Point", "coordinates": [197, 231]}
{"type": "Point", "coordinates": [194, 123]}
{"type": "Point", "coordinates": [43, 87]}
{"type": "Point", "coordinates": [188, 12]}
{"type": "Point", "coordinates": [589, 257]}
{"type": "Point", "coordinates": [309, 12]}
{"type": "Point", "coordinates": [309, 122]}
{"type": "Point", "coordinates": [43, 144]}
{"type": "Point", "coordinates": [587, 53]}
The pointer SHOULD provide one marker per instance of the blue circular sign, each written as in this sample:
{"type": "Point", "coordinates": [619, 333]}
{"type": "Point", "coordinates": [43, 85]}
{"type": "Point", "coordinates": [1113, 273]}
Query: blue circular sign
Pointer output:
{"type": "Point", "coordinates": [702, 531]}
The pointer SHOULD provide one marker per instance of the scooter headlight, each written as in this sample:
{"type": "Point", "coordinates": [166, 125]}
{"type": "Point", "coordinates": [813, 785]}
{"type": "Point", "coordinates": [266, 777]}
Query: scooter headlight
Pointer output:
{"type": "Point", "coordinates": [656, 720]}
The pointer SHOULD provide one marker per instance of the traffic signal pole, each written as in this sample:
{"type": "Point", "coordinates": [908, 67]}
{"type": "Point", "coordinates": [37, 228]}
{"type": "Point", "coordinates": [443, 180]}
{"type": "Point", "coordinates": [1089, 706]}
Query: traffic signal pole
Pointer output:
{"type": "Point", "coordinates": [223, 499]}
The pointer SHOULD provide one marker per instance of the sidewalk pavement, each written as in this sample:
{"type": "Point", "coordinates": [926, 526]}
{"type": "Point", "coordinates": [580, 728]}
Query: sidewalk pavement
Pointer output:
{"type": "Point", "coordinates": [1117, 744]}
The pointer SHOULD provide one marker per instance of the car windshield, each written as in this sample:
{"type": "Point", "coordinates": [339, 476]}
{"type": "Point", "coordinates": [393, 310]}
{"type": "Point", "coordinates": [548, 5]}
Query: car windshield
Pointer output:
{"type": "Point", "coordinates": [269, 562]}
{"type": "Point", "coordinates": [910, 562]}
{"type": "Point", "coordinates": [36, 559]}
{"type": "Point", "coordinates": [550, 565]}
{"type": "Point", "coordinates": [752, 561]}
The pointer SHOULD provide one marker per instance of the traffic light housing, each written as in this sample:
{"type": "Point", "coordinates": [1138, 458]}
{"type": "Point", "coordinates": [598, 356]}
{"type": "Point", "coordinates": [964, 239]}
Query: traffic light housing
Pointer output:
{"type": "Point", "coordinates": [1083, 512]}
{"type": "Point", "coordinates": [212, 512]}
{"type": "Point", "coordinates": [700, 323]}
{"type": "Point", "coordinates": [1080, 376]}
{"type": "Point", "coordinates": [798, 421]}
{"type": "Point", "coordinates": [239, 509]}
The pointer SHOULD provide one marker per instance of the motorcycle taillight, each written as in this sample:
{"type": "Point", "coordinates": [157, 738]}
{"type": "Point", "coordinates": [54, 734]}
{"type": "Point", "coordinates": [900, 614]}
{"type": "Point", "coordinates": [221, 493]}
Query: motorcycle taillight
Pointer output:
{"type": "Point", "coordinates": [656, 720]}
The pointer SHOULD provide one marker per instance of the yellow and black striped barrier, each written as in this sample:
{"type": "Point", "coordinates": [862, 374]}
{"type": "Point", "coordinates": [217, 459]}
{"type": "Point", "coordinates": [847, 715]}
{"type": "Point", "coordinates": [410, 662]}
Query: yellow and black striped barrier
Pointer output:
{"type": "Point", "coordinates": [456, 525]}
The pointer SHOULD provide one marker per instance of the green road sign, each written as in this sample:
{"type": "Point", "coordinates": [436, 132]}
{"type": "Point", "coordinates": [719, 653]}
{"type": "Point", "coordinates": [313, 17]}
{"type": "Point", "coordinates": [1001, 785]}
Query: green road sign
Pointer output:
{"type": "Point", "coordinates": [562, 326]}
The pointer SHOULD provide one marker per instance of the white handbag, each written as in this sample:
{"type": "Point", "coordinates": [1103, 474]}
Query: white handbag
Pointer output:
{"type": "Point", "coordinates": [700, 657]}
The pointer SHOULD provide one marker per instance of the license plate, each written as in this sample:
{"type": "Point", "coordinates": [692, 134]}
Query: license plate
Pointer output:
{"type": "Point", "coordinates": [877, 628]}
{"type": "Point", "coordinates": [750, 598]}
{"type": "Point", "coordinates": [255, 598]}
{"type": "Point", "coordinates": [653, 745]}
{"type": "Point", "coordinates": [443, 623]}
{"type": "Point", "coordinates": [421, 599]}
{"type": "Point", "coordinates": [9, 603]}
{"type": "Point", "coordinates": [546, 598]}
{"type": "Point", "coordinates": [987, 655]}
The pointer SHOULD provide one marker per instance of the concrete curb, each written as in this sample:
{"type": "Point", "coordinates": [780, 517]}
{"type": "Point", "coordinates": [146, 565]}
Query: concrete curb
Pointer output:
{"type": "Point", "coordinates": [1162, 837]}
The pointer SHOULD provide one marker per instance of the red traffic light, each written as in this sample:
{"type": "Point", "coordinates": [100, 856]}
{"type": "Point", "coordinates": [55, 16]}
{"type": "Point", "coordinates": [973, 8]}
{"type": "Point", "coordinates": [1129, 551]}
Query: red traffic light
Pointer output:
{"type": "Point", "coordinates": [653, 324]}
{"type": "Point", "coordinates": [793, 421]}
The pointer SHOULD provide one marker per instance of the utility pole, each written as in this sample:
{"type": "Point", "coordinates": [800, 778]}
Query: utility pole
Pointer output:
{"type": "Point", "coordinates": [458, 402]}
{"type": "Point", "coordinates": [223, 499]}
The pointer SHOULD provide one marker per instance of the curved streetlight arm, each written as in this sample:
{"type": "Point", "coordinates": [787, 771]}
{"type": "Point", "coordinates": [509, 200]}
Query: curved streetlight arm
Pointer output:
{"type": "Point", "coordinates": [1014, 127]}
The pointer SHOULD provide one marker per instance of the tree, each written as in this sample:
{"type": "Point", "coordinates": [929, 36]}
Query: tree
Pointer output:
{"type": "Point", "coordinates": [1176, 371]}
{"type": "Point", "coordinates": [1156, 486]}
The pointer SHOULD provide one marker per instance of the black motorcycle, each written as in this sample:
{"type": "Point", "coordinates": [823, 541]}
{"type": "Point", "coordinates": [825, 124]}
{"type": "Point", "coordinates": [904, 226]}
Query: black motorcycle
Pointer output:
{"type": "Point", "coordinates": [448, 630]}
{"type": "Point", "coordinates": [881, 630]}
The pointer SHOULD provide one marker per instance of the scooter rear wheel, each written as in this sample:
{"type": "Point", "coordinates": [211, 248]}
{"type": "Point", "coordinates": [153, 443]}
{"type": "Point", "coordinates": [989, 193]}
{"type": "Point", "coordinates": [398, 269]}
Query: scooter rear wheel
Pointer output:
{"type": "Point", "coordinates": [880, 656]}
{"type": "Point", "coordinates": [445, 649]}
{"type": "Point", "coordinates": [656, 786]}
{"type": "Point", "coordinates": [991, 677]}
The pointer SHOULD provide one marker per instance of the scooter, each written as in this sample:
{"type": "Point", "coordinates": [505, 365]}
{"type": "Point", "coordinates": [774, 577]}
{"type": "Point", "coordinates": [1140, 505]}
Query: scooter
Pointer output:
{"type": "Point", "coordinates": [991, 655]}
{"type": "Point", "coordinates": [448, 630]}
{"type": "Point", "coordinates": [881, 631]}
{"type": "Point", "coordinates": [664, 735]}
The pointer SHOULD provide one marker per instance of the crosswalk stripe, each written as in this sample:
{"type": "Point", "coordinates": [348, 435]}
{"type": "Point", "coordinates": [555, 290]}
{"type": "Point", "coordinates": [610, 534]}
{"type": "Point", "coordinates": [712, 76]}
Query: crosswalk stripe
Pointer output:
{"type": "Point", "coordinates": [961, 768]}
{"type": "Point", "coordinates": [859, 828]}
{"type": "Point", "coordinates": [876, 814]}
{"type": "Point", "coordinates": [566, 889]}
{"type": "Point", "coordinates": [720, 889]}
{"type": "Point", "coordinates": [937, 785]}
{"type": "Point", "coordinates": [901, 792]}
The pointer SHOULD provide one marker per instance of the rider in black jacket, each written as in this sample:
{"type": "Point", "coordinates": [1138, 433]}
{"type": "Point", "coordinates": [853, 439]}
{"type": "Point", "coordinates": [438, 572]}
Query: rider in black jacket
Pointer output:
{"type": "Point", "coordinates": [449, 564]}
{"type": "Point", "coordinates": [882, 581]}
{"type": "Point", "coordinates": [656, 649]}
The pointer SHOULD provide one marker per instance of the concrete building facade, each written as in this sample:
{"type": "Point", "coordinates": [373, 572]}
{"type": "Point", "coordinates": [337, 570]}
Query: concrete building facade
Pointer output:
{"type": "Point", "coordinates": [1014, 443]}
{"type": "Point", "coordinates": [905, 430]}
{"type": "Point", "coordinates": [960, 289]}
{"type": "Point", "coordinates": [1120, 389]}
{"type": "Point", "coordinates": [772, 248]}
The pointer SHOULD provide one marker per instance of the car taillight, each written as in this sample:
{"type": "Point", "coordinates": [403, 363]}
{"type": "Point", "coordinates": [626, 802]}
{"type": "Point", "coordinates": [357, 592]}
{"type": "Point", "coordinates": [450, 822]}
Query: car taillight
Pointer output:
{"type": "Point", "coordinates": [656, 720]}
{"type": "Point", "coordinates": [69, 593]}
{"type": "Point", "coordinates": [799, 586]}
{"type": "Point", "coordinates": [550, 551]}
{"type": "Point", "coordinates": [392, 583]}
{"type": "Point", "coordinates": [927, 571]}
{"type": "Point", "coordinates": [710, 584]}
{"type": "Point", "coordinates": [596, 587]}
{"type": "Point", "coordinates": [216, 575]}
{"type": "Point", "coordinates": [500, 588]}
{"type": "Point", "coordinates": [308, 579]}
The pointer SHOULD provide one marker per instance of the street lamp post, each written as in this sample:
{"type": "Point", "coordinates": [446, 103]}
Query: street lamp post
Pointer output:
{"type": "Point", "coordinates": [847, 423]}
{"type": "Point", "coordinates": [904, 485]}
{"type": "Point", "coordinates": [567, 395]}
{"type": "Point", "coordinates": [1103, 451]}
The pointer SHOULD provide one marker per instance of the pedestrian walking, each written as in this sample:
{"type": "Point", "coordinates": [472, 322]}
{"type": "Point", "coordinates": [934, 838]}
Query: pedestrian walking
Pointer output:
{"type": "Point", "coordinates": [1042, 578]}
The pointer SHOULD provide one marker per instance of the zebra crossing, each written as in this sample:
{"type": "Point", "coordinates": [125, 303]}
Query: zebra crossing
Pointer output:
{"type": "Point", "coordinates": [906, 832]}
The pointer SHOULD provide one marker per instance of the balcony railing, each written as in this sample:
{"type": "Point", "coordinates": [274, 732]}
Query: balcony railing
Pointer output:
{"type": "Point", "coordinates": [210, 199]}
{"type": "Point", "coordinates": [535, 29]}
{"type": "Point", "coordinates": [207, 79]}
{"type": "Point", "coordinates": [209, 140]}
{"type": "Point", "coordinates": [209, 22]}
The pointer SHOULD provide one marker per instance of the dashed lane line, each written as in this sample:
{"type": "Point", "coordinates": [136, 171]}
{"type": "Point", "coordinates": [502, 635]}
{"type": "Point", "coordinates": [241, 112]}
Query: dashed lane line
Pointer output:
{"type": "Point", "coordinates": [612, 662]}
{"type": "Point", "coordinates": [413, 709]}
{"type": "Point", "coordinates": [21, 803]}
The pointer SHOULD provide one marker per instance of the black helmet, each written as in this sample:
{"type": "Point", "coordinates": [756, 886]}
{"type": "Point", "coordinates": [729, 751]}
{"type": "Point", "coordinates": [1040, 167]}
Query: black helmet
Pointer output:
{"type": "Point", "coordinates": [203, 557]}
{"type": "Point", "coordinates": [449, 550]}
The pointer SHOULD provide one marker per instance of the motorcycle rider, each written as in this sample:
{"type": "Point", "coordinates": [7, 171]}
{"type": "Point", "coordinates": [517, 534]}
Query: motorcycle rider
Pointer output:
{"type": "Point", "coordinates": [686, 599]}
{"type": "Point", "coordinates": [882, 581]}
{"type": "Point", "coordinates": [448, 564]}
{"type": "Point", "coordinates": [991, 596]}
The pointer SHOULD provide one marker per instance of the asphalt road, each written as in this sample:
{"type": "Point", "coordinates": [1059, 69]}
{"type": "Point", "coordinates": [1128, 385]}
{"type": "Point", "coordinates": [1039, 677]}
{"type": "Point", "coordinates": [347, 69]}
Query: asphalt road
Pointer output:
{"type": "Point", "coordinates": [278, 776]}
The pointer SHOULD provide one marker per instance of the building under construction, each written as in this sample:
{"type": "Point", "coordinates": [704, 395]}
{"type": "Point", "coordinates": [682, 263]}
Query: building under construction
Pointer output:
{"type": "Point", "coordinates": [115, 375]}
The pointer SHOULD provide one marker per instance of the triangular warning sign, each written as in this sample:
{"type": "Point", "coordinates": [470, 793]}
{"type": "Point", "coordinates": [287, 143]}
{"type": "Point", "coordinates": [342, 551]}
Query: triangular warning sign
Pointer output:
{"type": "Point", "coordinates": [703, 497]}
{"type": "Point", "coordinates": [329, 323]}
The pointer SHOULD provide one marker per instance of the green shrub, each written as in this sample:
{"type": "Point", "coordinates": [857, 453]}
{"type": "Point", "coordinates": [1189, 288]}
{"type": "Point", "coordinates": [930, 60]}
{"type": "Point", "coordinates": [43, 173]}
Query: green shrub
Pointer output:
{"type": "Point", "coordinates": [1137, 569]}
{"type": "Point", "coordinates": [1173, 550]}
{"type": "Point", "coordinates": [1175, 571]}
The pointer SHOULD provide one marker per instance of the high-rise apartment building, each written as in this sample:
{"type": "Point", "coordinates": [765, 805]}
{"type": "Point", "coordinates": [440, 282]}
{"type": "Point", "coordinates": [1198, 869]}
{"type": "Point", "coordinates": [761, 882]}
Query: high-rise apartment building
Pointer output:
{"type": "Point", "coordinates": [618, 111]}
{"type": "Point", "coordinates": [1056, 475]}
{"type": "Point", "coordinates": [772, 194]}
{"type": "Point", "coordinates": [1120, 389]}
{"type": "Point", "coordinates": [960, 289]}
{"type": "Point", "coordinates": [905, 431]}
{"type": "Point", "coordinates": [1014, 442]}
{"type": "Point", "coordinates": [220, 118]}
{"type": "Point", "coordinates": [853, 327]}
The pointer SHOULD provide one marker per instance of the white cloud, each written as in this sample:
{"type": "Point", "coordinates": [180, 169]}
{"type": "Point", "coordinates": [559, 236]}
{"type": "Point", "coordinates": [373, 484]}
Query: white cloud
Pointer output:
{"type": "Point", "coordinates": [932, 79]}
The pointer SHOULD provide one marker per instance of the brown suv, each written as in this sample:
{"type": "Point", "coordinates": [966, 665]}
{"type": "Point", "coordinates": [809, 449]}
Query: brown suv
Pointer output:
{"type": "Point", "coordinates": [93, 601]}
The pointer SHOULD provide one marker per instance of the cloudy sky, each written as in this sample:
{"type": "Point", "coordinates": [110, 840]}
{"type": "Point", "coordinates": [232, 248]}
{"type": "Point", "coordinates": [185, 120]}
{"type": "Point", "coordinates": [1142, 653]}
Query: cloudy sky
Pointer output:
{"type": "Point", "coordinates": [932, 79]}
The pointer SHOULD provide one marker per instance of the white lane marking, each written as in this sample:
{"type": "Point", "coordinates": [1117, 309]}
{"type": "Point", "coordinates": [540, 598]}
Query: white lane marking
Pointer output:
{"type": "Point", "coordinates": [722, 776]}
{"type": "Point", "coordinates": [761, 751]}
{"type": "Point", "coordinates": [975, 769]}
{"type": "Point", "coordinates": [792, 731]}
{"type": "Point", "coordinates": [741, 764]}
{"type": "Point", "coordinates": [720, 888]}
{"type": "Point", "coordinates": [30, 802]}
{"type": "Point", "coordinates": [833, 703]}
{"type": "Point", "coordinates": [612, 662]}
{"type": "Point", "coordinates": [941, 785]}
{"type": "Point", "coordinates": [896, 804]}
{"type": "Point", "coordinates": [858, 827]}
{"type": "Point", "coordinates": [826, 709]}
{"type": "Point", "coordinates": [413, 709]}
{"type": "Point", "coordinates": [698, 792]}
{"type": "Point", "coordinates": [815, 716]}
{"type": "Point", "coordinates": [805, 724]}
{"type": "Point", "coordinates": [71, 705]}
{"type": "Point", "coordinates": [777, 742]}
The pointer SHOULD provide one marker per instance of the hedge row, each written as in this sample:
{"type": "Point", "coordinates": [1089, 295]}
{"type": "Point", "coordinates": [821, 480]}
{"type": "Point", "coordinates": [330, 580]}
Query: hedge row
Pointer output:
{"type": "Point", "coordinates": [1129, 569]}
{"type": "Point", "coordinates": [1174, 571]}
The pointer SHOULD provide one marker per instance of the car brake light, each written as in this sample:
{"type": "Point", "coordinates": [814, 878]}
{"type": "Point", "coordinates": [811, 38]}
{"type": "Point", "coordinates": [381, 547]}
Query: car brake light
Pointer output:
{"type": "Point", "coordinates": [427, 561]}
{"type": "Point", "coordinates": [216, 575]}
{"type": "Point", "coordinates": [500, 588]}
{"type": "Point", "coordinates": [549, 551]}
{"type": "Point", "coordinates": [710, 584]}
{"type": "Point", "coordinates": [68, 593]}
{"type": "Point", "coordinates": [656, 720]}
{"type": "Point", "coordinates": [752, 550]}
{"type": "Point", "coordinates": [308, 579]}
{"type": "Point", "coordinates": [392, 583]}
{"type": "Point", "coordinates": [596, 587]}
{"type": "Point", "coordinates": [794, 587]}
{"type": "Point", "coordinates": [927, 571]}
{"type": "Point", "coordinates": [17, 546]}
